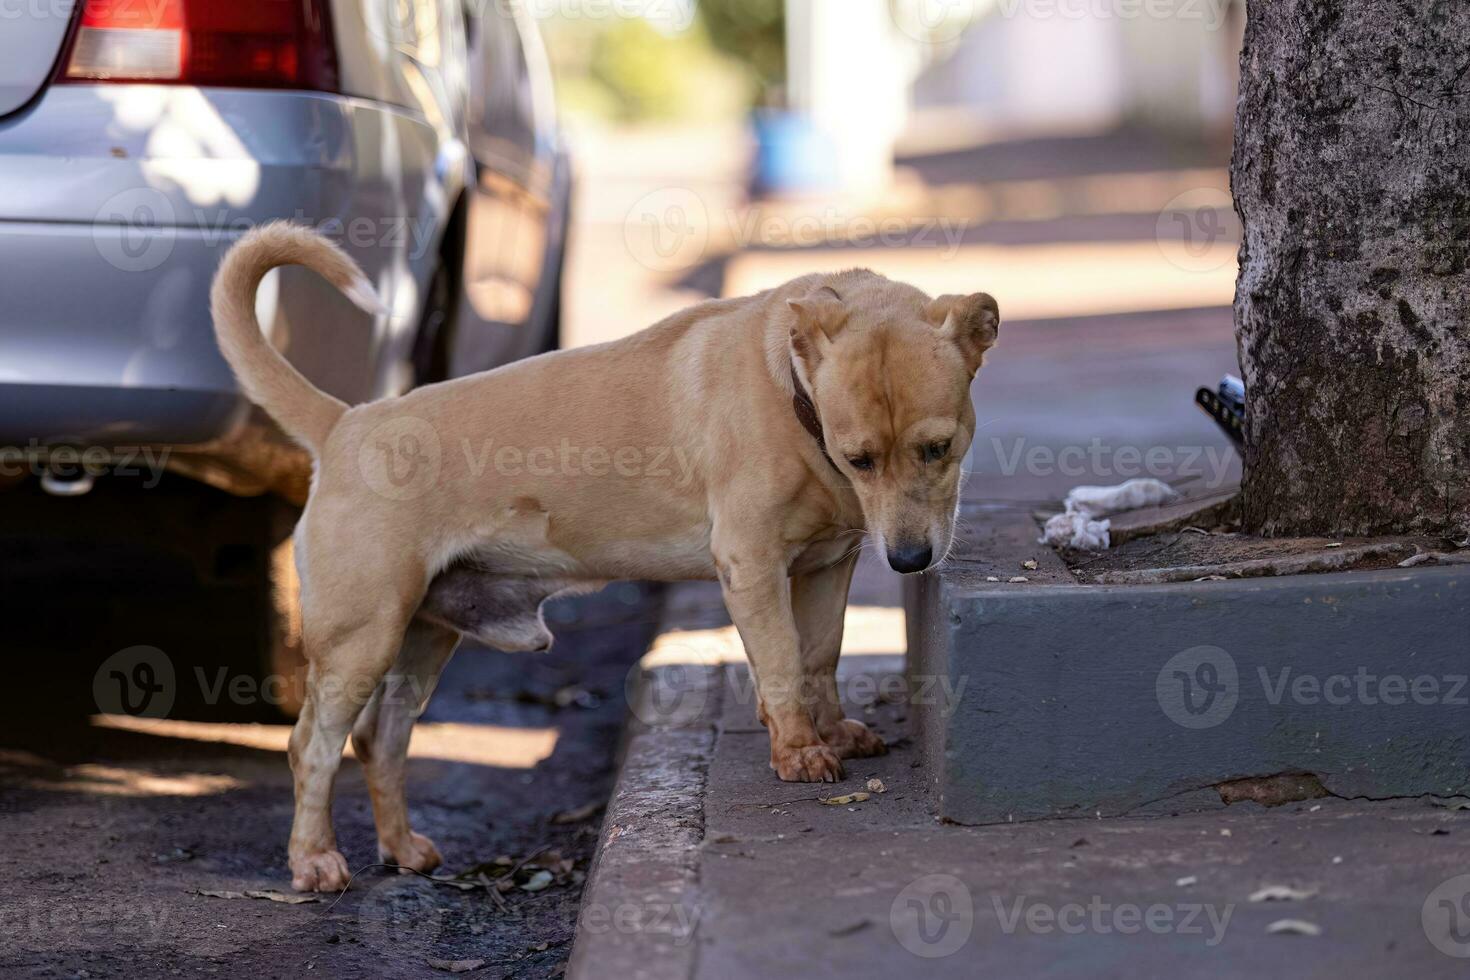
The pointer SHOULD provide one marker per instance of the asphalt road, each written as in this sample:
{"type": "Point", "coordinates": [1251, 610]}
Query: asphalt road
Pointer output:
{"type": "Point", "coordinates": [112, 833]}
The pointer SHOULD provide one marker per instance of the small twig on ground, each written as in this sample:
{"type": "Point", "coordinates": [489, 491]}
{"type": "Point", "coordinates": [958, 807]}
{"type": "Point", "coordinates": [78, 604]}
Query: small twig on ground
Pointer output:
{"type": "Point", "coordinates": [369, 867]}
{"type": "Point", "coordinates": [800, 799]}
{"type": "Point", "coordinates": [495, 896]}
{"type": "Point", "coordinates": [527, 860]}
{"type": "Point", "coordinates": [1162, 548]}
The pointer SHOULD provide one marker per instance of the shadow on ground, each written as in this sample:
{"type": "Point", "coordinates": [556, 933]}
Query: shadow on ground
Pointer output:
{"type": "Point", "coordinates": [112, 832]}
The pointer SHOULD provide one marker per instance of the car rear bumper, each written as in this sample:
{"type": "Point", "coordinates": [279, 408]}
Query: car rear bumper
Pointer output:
{"type": "Point", "coordinates": [118, 419]}
{"type": "Point", "coordinates": [117, 204]}
{"type": "Point", "coordinates": [92, 352]}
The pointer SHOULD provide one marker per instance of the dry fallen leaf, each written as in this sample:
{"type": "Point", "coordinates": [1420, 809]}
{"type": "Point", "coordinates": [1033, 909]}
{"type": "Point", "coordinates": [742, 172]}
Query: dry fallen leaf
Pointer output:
{"type": "Point", "coordinates": [541, 879]}
{"type": "Point", "coordinates": [284, 899]}
{"type": "Point", "coordinates": [1029, 564]}
{"type": "Point", "coordinates": [574, 694]}
{"type": "Point", "coordinates": [876, 785]}
{"type": "Point", "coordinates": [578, 814]}
{"type": "Point", "coordinates": [844, 800]}
{"type": "Point", "coordinates": [268, 895]}
{"type": "Point", "coordinates": [1293, 927]}
{"type": "Point", "coordinates": [1282, 893]}
{"type": "Point", "coordinates": [455, 966]}
{"type": "Point", "coordinates": [553, 861]}
{"type": "Point", "coordinates": [464, 884]}
{"type": "Point", "coordinates": [848, 930]}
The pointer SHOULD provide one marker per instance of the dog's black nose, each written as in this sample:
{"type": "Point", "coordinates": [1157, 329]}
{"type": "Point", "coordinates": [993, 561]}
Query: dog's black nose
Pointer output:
{"type": "Point", "coordinates": [912, 559]}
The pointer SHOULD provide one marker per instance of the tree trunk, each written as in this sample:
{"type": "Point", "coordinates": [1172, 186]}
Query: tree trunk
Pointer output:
{"type": "Point", "coordinates": [1352, 179]}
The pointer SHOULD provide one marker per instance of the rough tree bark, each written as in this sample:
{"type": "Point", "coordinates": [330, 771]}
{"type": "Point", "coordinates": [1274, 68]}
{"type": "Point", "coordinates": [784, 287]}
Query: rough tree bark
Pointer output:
{"type": "Point", "coordinates": [1352, 180]}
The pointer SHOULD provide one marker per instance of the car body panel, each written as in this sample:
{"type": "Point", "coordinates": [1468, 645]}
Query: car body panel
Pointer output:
{"type": "Point", "coordinates": [137, 192]}
{"type": "Point", "coordinates": [409, 53]}
{"type": "Point", "coordinates": [31, 38]}
{"type": "Point", "coordinates": [117, 202]}
{"type": "Point", "coordinates": [520, 213]}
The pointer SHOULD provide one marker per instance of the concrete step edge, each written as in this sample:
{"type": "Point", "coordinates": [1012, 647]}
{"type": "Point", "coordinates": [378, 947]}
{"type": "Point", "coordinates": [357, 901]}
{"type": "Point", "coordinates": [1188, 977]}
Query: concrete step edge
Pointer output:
{"type": "Point", "coordinates": [640, 907]}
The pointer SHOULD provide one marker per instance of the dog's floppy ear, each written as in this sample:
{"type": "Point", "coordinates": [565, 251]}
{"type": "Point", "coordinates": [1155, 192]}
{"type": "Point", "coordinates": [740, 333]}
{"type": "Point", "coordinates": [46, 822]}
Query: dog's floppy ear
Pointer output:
{"type": "Point", "coordinates": [819, 316]}
{"type": "Point", "coordinates": [971, 322]}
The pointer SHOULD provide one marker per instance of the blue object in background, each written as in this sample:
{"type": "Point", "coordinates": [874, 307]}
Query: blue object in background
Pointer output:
{"type": "Point", "coordinates": [792, 155]}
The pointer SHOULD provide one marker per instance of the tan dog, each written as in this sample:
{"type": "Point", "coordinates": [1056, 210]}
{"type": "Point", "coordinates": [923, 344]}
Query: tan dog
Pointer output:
{"type": "Point", "coordinates": [696, 449]}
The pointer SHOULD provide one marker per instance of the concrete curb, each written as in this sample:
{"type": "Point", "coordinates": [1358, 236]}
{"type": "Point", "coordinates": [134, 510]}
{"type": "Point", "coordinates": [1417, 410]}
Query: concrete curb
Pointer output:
{"type": "Point", "coordinates": [1102, 700]}
{"type": "Point", "coordinates": [640, 909]}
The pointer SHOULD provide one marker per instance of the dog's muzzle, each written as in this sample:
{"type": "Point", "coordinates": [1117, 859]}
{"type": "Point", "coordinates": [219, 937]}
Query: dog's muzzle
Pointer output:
{"type": "Point", "coordinates": [911, 559]}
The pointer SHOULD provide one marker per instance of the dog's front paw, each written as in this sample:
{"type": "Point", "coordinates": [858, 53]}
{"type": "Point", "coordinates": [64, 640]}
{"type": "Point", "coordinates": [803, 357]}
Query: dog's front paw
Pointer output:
{"type": "Point", "coordinates": [324, 871]}
{"type": "Point", "coordinates": [413, 853]}
{"type": "Point", "coordinates": [808, 764]}
{"type": "Point", "coordinates": [851, 739]}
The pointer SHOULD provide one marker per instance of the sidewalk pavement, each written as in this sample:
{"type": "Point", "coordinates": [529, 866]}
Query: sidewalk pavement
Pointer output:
{"type": "Point", "coordinates": [709, 867]}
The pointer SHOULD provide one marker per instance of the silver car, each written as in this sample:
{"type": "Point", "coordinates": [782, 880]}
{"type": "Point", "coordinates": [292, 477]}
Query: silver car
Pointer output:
{"type": "Point", "coordinates": [139, 138]}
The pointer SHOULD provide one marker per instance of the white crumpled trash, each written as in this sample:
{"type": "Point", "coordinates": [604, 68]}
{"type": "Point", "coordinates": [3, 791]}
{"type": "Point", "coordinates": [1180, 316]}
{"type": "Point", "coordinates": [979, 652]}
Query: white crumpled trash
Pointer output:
{"type": "Point", "coordinates": [1084, 524]}
{"type": "Point", "coordinates": [1077, 531]}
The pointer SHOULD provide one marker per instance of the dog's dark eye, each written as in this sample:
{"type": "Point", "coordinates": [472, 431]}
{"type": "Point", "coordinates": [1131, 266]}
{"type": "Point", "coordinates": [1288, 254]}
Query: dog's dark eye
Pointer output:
{"type": "Point", "coordinates": [863, 462]}
{"type": "Point", "coordinates": [935, 451]}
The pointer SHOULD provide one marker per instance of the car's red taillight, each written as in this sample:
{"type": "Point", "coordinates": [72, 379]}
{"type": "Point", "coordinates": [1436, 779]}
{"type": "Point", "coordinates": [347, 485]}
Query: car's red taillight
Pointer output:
{"type": "Point", "coordinates": [242, 43]}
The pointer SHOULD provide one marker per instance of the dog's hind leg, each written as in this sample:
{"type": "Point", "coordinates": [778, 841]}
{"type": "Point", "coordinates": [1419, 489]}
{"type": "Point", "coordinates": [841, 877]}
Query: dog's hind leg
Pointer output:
{"type": "Point", "coordinates": [353, 620]}
{"type": "Point", "coordinates": [819, 603]}
{"type": "Point", "coordinates": [380, 739]}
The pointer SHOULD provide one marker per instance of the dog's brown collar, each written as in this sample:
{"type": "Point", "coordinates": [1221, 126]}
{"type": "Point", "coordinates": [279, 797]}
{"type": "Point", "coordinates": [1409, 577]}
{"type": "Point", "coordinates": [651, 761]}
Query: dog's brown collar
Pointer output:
{"type": "Point", "coordinates": [806, 414]}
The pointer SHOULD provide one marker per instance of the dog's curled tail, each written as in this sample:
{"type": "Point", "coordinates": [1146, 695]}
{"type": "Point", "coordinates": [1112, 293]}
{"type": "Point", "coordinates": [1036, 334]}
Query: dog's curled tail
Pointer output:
{"type": "Point", "coordinates": [302, 409]}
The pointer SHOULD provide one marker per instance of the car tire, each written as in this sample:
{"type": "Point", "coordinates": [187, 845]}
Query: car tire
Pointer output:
{"type": "Point", "coordinates": [433, 342]}
{"type": "Point", "coordinates": [551, 336]}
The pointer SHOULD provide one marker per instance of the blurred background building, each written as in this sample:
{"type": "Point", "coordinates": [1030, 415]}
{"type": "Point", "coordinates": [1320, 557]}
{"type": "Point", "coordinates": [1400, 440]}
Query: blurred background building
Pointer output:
{"type": "Point", "coordinates": [856, 75]}
{"type": "Point", "coordinates": [723, 144]}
